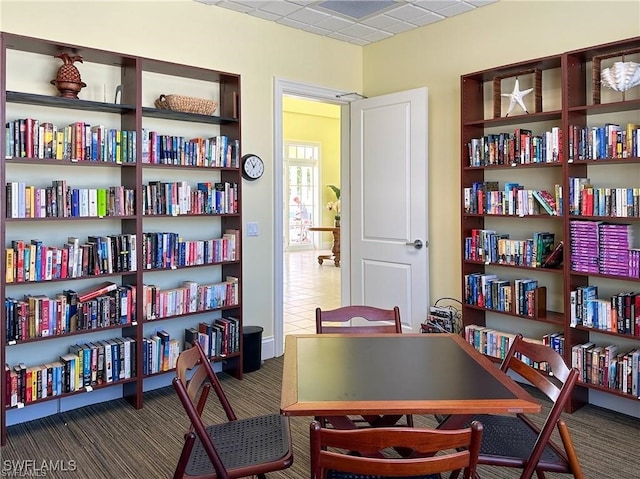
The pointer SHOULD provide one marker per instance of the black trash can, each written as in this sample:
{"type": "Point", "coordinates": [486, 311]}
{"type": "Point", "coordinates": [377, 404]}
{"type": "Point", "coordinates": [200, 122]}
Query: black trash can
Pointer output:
{"type": "Point", "coordinates": [251, 348]}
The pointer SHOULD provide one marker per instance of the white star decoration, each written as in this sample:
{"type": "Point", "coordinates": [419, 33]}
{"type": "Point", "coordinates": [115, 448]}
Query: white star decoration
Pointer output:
{"type": "Point", "coordinates": [516, 96]}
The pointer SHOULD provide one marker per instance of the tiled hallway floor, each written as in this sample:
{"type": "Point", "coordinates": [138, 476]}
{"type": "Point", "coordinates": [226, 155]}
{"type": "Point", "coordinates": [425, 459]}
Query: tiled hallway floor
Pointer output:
{"type": "Point", "coordinates": [308, 285]}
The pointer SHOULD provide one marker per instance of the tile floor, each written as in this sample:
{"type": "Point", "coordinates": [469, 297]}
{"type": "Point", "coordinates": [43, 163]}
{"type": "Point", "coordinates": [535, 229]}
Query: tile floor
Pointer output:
{"type": "Point", "coordinates": [308, 285]}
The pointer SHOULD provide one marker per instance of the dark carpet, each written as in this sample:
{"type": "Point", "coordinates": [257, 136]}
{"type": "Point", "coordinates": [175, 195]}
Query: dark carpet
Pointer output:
{"type": "Point", "coordinates": [113, 440]}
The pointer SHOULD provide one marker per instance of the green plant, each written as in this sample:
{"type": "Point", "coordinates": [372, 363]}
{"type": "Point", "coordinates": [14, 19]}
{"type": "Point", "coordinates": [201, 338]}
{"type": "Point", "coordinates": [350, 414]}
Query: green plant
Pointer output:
{"type": "Point", "coordinates": [335, 205]}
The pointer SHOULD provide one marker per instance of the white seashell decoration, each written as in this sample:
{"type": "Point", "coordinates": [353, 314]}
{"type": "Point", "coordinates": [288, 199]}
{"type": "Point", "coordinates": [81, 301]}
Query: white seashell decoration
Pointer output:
{"type": "Point", "coordinates": [621, 76]}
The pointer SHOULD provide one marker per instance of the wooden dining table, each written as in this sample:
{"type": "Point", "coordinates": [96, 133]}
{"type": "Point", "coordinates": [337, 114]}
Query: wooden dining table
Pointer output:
{"type": "Point", "coordinates": [337, 375]}
{"type": "Point", "coordinates": [335, 247]}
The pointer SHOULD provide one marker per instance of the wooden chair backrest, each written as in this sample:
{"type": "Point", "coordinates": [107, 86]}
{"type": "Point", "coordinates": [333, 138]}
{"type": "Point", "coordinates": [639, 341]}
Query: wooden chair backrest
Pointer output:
{"type": "Point", "coordinates": [337, 320]}
{"type": "Point", "coordinates": [201, 381]}
{"type": "Point", "coordinates": [332, 449]}
{"type": "Point", "coordinates": [552, 382]}
{"type": "Point", "coordinates": [557, 384]}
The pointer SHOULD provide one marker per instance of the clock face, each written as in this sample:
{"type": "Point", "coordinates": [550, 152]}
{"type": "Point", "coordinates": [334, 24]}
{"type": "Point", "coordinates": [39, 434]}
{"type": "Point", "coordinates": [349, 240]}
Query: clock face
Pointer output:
{"type": "Point", "coordinates": [252, 167]}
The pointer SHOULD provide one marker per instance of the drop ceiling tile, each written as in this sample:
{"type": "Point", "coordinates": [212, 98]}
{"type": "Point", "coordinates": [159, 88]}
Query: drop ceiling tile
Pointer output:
{"type": "Point", "coordinates": [340, 36]}
{"type": "Point", "coordinates": [380, 21]}
{"type": "Point", "coordinates": [436, 5]}
{"type": "Point", "coordinates": [234, 6]}
{"type": "Point", "coordinates": [265, 15]}
{"type": "Point", "coordinates": [279, 8]}
{"type": "Point", "coordinates": [481, 3]}
{"type": "Point", "coordinates": [304, 3]}
{"type": "Point", "coordinates": [399, 27]}
{"type": "Point", "coordinates": [359, 41]}
{"type": "Point", "coordinates": [357, 30]}
{"type": "Point", "coordinates": [309, 15]}
{"type": "Point", "coordinates": [356, 10]}
{"type": "Point", "coordinates": [247, 3]}
{"type": "Point", "coordinates": [377, 36]}
{"type": "Point", "coordinates": [395, 16]}
{"type": "Point", "coordinates": [317, 30]}
{"type": "Point", "coordinates": [406, 12]}
{"type": "Point", "coordinates": [334, 23]}
{"type": "Point", "coordinates": [291, 23]}
{"type": "Point", "coordinates": [427, 19]}
{"type": "Point", "coordinates": [456, 9]}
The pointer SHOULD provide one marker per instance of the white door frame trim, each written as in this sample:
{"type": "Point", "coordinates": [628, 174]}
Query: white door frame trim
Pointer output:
{"type": "Point", "coordinates": [286, 87]}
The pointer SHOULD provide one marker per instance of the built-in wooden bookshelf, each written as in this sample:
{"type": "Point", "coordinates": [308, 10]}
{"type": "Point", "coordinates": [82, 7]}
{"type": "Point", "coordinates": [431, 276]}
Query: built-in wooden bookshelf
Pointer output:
{"type": "Point", "coordinates": [153, 198]}
{"type": "Point", "coordinates": [509, 157]}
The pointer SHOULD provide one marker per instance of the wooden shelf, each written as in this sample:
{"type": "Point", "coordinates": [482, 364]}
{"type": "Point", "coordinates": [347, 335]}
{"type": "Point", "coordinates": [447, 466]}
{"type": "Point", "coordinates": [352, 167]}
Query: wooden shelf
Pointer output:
{"type": "Point", "coordinates": [577, 74]}
{"type": "Point", "coordinates": [140, 79]}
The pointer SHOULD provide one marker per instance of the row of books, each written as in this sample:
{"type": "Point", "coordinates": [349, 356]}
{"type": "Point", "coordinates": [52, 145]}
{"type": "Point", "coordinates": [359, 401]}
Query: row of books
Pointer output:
{"type": "Point", "coordinates": [108, 304]}
{"type": "Point", "coordinates": [180, 198]}
{"type": "Point", "coordinates": [494, 343]}
{"type": "Point", "coordinates": [86, 365]}
{"type": "Point", "coordinates": [190, 297]}
{"type": "Point", "coordinates": [159, 353]}
{"type": "Point", "coordinates": [488, 198]}
{"type": "Point", "coordinates": [217, 338]}
{"type": "Point", "coordinates": [62, 201]}
{"type": "Point", "coordinates": [620, 313]}
{"type": "Point", "coordinates": [521, 147]}
{"type": "Point", "coordinates": [169, 250]}
{"type": "Point", "coordinates": [604, 142]}
{"type": "Point", "coordinates": [587, 200]}
{"type": "Point", "coordinates": [216, 151]}
{"type": "Point", "coordinates": [79, 141]}
{"type": "Point", "coordinates": [35, 261]}
{"type": "Point", "coordinates": [608, 367]}
{"type": "Point", "coordinates": [38, 316]}
{"type": "Point", "coordinates": [522, 297]}
{"type": "Point", "coordinates": [604, 248]}
{"type": "Point", "coordinates": [489, 246]}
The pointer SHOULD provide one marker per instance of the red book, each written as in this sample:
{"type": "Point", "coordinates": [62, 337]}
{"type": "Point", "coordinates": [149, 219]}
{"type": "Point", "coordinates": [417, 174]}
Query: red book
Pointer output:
{"type": "Point", "coordinates": [96, 290]}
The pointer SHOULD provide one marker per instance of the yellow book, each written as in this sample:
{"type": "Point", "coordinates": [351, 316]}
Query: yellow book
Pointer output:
{"type": "Point", "coordinates": [59, 152]}
{"type": "Point", "coordinates": [118, 146]}
{"type": "Point", "coordinates": [9, 265]}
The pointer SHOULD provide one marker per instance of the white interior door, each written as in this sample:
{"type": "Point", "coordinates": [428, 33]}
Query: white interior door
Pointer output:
{"type": "Point", "coordinates": [388, 204]}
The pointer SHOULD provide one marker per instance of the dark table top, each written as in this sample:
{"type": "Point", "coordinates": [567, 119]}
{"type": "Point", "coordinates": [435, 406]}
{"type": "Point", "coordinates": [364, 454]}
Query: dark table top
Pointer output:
{"type": "Point", "coordinates": [394, 374]}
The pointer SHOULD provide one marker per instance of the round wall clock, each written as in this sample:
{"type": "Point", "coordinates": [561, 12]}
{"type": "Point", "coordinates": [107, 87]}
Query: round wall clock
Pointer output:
{"type": "Point", "coordinates": [252, 167]}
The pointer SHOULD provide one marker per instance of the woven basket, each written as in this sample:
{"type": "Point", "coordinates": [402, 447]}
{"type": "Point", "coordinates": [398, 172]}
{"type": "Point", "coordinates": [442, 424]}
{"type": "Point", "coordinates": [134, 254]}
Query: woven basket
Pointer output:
{"type": "Point", "coordinates": [186, 104]}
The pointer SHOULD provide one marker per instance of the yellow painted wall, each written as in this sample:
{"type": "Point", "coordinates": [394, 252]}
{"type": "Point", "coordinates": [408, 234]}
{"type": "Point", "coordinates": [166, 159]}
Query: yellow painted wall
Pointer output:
{"type": "Point", "coordinates": [305, 120]}
{"type": "Point", "coordinates": [188, 32]}
{"type": "Point", "coordinates": [435, 56]}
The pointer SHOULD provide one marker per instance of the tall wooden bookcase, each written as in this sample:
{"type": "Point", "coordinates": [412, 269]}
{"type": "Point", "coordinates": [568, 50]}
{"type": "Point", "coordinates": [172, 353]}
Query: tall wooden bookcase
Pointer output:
{"type": "Point", "coordinates": [191, 239]}
{"type": "Point", "coordinates": [499, 155]}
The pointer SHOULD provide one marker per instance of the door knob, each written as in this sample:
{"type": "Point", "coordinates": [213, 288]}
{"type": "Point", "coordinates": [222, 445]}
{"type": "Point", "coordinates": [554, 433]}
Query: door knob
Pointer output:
{"type": "Point", "coordinates": [417, 244]}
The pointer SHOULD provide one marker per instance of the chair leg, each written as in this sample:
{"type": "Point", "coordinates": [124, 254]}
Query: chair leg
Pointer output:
{"type": "Point", "coordinates": [189, 441]}
{"type": "Point", "coordinates": [540, 475]}
{"type": "Point", "coordinates": [572, 457]}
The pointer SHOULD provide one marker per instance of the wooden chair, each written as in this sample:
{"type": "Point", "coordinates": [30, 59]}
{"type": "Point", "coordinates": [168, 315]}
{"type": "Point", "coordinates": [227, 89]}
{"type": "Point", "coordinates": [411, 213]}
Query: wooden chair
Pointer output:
{"type": "Point", "coordinates": [337, 320]}
{"type": "Point", "coordinates": [233, 449]}
{"type": "Point", "coordinates": [376, 320]}
{"type": "Point", "coordinates": [515, 441]}
{"type": "Point", "coordinates": [368, 453]}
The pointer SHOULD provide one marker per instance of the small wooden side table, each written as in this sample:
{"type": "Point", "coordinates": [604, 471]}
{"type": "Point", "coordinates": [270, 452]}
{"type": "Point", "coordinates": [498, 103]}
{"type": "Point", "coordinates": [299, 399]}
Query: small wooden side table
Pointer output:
{"type": "Point", "coordinates": [335, 250]}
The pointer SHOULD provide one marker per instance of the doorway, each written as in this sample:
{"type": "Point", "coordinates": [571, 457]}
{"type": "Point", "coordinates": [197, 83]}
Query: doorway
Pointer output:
{"type": "Point", "coordinates": [284, 91]}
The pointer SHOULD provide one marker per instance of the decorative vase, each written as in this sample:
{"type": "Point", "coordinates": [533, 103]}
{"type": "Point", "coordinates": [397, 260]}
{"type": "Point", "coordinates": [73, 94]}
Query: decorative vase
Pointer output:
{"type": "Point", "coordinates": [68, 81]}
